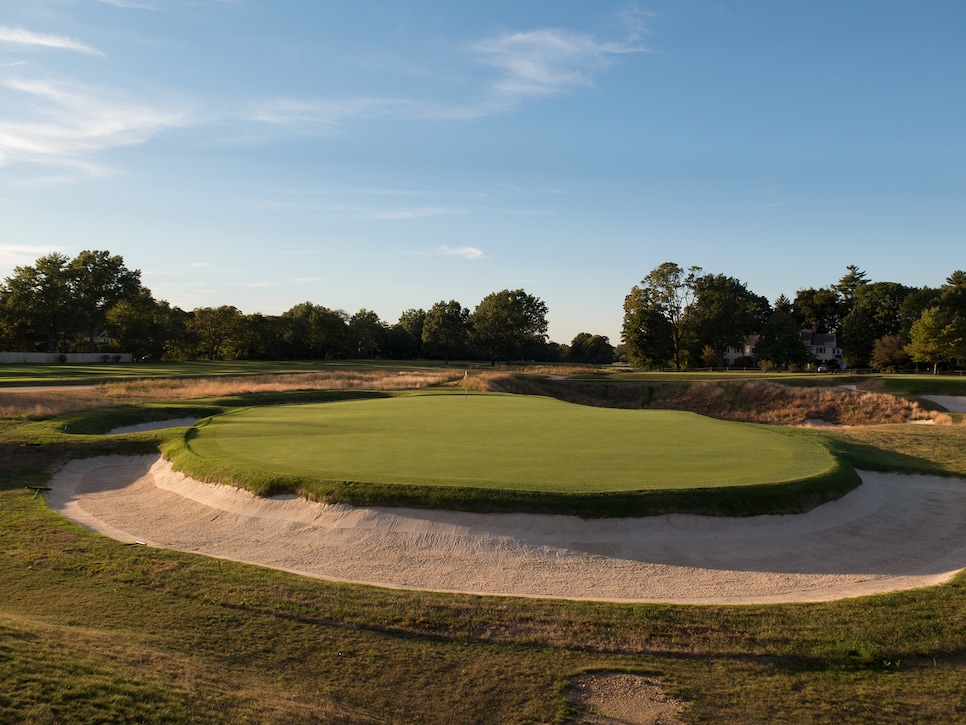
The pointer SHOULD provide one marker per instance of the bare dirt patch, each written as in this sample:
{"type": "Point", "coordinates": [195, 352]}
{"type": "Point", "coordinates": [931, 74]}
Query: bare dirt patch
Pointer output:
{"type": "Point", "coordinates": [612, 698]}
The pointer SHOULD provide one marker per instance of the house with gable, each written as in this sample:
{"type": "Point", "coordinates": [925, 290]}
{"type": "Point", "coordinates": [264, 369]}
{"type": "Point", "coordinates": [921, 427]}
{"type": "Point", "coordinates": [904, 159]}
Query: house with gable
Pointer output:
{"type": "Point", "coordinates": [823, 346]}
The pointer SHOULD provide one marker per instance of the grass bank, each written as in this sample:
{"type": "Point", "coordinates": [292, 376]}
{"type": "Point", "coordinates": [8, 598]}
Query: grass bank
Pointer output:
{"type": "Point", "coordinates": [514, 453]}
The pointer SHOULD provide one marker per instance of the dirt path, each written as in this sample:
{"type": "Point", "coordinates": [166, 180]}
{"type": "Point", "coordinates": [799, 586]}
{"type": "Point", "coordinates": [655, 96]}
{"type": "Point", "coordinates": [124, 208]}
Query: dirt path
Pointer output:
{"type": "Point", "coordinates": [893, 532]}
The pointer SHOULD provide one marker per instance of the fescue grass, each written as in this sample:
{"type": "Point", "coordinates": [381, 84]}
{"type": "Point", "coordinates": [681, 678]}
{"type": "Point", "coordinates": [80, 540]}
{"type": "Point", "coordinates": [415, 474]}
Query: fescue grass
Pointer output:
{"type": "Point", "coordinates": [95, 631]}
{"type": "Point", "coordinates": [733, 398]}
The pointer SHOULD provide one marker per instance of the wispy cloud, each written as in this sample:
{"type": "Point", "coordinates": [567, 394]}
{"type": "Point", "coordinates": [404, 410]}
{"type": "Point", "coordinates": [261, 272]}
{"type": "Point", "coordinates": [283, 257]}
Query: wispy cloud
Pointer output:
{"type": "Point", "coordinates": [25, 38]}
{"type": "Point", "coordinates": [537, 63]}
{"type": "Point", "coordinates": [65, 125]}
{"type": "Point", "coordinates": [131, 4]}
{"type": "Point", "coordinates": [548, 61]}
{"type": "Point", "coordinates": [324, 112]}
{"type": "Point", "coordinates": [414, 213]}
{"type": "Point", "coordinates": [446, 251]}
{"type": "Point", "coordinates": [16, 255]}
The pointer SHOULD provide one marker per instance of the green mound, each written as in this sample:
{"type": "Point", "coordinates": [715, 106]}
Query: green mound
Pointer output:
{"type": "Point", "coordinates": [509, 452]}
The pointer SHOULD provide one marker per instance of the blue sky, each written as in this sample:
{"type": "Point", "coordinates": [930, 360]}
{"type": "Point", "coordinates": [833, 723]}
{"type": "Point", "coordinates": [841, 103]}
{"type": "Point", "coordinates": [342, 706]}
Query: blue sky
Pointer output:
{"type": "Point", "coordinates": [391, 154]}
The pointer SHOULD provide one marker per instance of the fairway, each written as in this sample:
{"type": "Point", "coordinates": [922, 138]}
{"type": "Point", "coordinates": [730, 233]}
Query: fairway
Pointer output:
{"type": "Point", "coordinates": [505, 442]}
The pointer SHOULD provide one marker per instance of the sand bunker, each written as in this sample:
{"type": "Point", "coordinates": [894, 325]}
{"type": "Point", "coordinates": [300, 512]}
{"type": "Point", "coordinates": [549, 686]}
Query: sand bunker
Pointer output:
{"type": "Point", "coordinates": [893, 532]}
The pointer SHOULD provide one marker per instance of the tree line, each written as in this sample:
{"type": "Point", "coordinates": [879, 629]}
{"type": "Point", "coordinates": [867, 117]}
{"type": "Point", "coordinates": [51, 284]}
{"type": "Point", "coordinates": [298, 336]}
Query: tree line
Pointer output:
{"type": "Point", "coordinates": [95, 303]}
{"type": "Point", "coordinates": [682, 318]}
{"type": "Point", "coordinates": [675, 317]}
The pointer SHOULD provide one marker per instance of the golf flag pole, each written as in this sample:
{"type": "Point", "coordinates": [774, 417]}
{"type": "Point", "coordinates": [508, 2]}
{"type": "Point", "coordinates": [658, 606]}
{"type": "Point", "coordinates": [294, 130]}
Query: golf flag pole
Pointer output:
{"type": "Point", "coordinates": [465, 382]}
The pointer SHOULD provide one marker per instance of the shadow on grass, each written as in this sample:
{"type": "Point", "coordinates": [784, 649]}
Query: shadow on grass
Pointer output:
{"type": "Point", "coordinates": [866, 457]}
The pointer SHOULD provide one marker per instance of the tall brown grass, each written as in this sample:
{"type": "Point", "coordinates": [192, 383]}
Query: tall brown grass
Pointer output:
{"type": "Point", "coordinates": [46, 404]}
{"type": "Point", "coordinates": [753, 401]}
{"type": "Point", "coordinates": [40, 403]}
{"type": "Point", "coordinates": [189, 388]}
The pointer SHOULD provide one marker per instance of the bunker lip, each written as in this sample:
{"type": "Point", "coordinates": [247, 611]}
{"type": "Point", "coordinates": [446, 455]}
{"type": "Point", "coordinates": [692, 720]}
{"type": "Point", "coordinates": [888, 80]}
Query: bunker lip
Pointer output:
{"type": "Point", "coordinates": [894, 532]}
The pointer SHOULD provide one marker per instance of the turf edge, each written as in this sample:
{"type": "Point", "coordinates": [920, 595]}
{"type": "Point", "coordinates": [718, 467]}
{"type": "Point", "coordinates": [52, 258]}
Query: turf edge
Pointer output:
{"type": "Point", "coordinates": [787, 497]}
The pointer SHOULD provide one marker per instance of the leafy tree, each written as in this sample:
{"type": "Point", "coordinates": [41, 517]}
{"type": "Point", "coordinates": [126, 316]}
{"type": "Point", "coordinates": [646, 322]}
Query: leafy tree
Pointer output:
{"type": "Point", "coordinates": [723, 314]}
{"type": "Point", "coordinates": [848, 286]}
{"type": "Point", "coordinates": [367, 332]}
{"type": "Point", "coordinates": [876, 312]}
{"type": "Point", "coordinates": [818, 308]}
{"type": "Point", "coordinates": [37, 303]}
{"type": "Point", "coordinates": [262, 337]}
{"type": "Point", "coordinates": [666, 292]}
{"type": "Point", "coordinates": [217, 332]}
{"type": "Point", "coordinates": [446, 330]}
{"type": "Point", "coordinates": [647, 334]}
{"type": "Point", "coordinates": [587, 348]}
{"type": "Point", "coordinates": [99, 280]}
{"type": "Point", "coordinates": [412, 321]}
{"type": "Point", "coordinates": [401, 344]}
{"type": "Point", "coordinates": [889, 352]}
{"type": "Point", "coordinates": [915, 303]}
{"type": "Point", "coordinates": [780, 342]}
{"type": "Point", "coordinates": [953, 294]}
{"type": "Point", "coordinates": [504, 322]}
{"type": "Point", "coordinates": [144, 326]}
{"type": "Point", "coordinates": [938, 336]}
{"type": "Point", "coordinates": [314, 332]}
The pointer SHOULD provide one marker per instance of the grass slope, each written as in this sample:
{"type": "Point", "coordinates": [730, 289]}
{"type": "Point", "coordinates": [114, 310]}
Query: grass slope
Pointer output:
{"type": "Point", "coordinates": [508, 452]}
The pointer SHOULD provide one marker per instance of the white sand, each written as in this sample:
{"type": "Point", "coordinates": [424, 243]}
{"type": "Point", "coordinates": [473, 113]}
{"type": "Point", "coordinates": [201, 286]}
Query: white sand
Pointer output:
{"type": "Point", "coordinates": [952, 403]}
{"type": "Point", "coordinates": [893, 532]}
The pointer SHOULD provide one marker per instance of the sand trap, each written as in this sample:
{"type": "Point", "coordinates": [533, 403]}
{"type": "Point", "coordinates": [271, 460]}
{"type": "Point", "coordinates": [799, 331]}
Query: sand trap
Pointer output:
{"type": "Point", "coordinates": [952, 403]}
{"type": "Point", "coordinates": [155, 425]}
{"type": "Point", "coordinates": [893, 532]}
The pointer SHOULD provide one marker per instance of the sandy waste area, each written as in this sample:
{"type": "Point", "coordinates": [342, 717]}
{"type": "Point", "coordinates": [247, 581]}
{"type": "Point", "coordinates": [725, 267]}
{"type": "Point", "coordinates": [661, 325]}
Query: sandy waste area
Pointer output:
{"type": "Point", "coordinates": [893, 532]}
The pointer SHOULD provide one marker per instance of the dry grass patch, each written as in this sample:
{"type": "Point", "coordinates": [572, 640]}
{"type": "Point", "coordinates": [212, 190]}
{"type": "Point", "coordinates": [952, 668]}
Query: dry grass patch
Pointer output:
{"type": "Point", "coordinates": [39, 403]}
{"type": "Point", "coordinates": [751, 401]}
{"type": "Point", "coordinates": [190, 388]}
{"type": "Point", "coordinates": [765, 402]}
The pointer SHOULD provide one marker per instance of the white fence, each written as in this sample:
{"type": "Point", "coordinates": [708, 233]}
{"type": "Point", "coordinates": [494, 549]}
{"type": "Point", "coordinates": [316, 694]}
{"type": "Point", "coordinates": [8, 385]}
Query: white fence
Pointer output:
{"type": "Point", "coordinates": [67, 358]}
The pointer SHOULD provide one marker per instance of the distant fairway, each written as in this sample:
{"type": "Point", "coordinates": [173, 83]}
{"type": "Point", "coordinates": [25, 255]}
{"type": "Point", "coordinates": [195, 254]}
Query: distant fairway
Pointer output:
{"type": "Point", "coordinates": [507, 442]}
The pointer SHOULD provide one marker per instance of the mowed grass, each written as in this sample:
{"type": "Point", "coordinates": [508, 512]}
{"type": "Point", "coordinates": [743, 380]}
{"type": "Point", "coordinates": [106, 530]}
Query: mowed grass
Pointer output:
{"type": "Point", "coordinates": [508, 442]}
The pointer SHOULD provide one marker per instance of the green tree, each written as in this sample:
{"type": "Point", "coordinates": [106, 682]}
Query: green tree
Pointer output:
{"type": "Point", "coordinates": [143, 326]}
{"type": "Point", "coordinates": [507, 321]}
{"type": "Point", "coordinates": [780, 341]}
{"type": "Point", "coordinates": [668, 292]}
{"type": "Point", "coordinates": [646, 334]}
{"type": "Point", "coordinates": [587, 348]}
{"type": "Point", "coordinates": [412, 321]}
{"type": "Point", "coordinates": [936, 337]}
{"type": "Point", "coordinates": [446, 330]}
{"type": "Point", "coordinates": [99, 280]}
{"type": "Point", "coordinates": [314, 332]}
{"type": "Point", "coordinates": [367, 332]}
{"type": "Point", "coordinates": [848, 286]}
{"type": "Point", "coordinates": [723, 314]}
{"type": "Point", "coordinates": [37, 303]}
{"type": "Point", "coordinates": [818, 308]}
{"type": "Point", "coordinates": [217, 332]}
{"type": "Point", "coordinates": [876, 312]}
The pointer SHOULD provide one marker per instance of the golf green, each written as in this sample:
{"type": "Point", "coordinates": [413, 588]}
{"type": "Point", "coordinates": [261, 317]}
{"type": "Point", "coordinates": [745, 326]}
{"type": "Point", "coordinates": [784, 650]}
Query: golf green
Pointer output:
{"type": "Point", "coordinates": [508, 442]}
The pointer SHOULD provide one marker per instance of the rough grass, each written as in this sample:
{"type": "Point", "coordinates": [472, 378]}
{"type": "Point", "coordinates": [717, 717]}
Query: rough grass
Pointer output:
{"type": "Point", "coordinates": [753, 401]}
{"type": "Point", "coordinates": [373, 379]}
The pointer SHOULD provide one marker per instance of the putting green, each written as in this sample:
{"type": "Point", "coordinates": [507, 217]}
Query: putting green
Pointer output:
{"type": "Point", "coordinates": [505, 442]}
